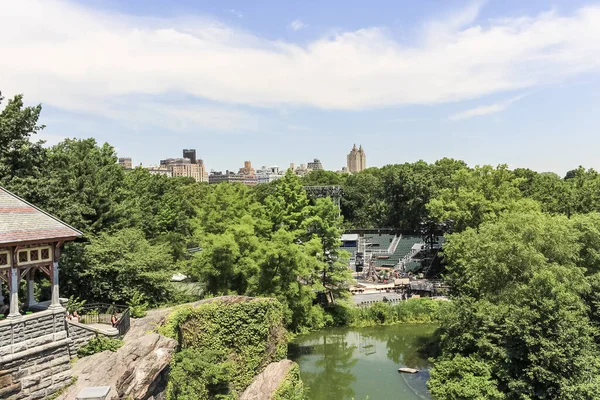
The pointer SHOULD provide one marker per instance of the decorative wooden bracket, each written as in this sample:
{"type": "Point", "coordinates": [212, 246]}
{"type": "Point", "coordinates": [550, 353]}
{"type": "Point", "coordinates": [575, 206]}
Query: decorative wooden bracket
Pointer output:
{"type": "Point", "coordinates": [24, 272]}
{"type": "Point", "coordinates": [4, 275]}
{"type": "Point", "coordinates": [46, 269]}
{"type": "Point", "coordinates": [57, 251]}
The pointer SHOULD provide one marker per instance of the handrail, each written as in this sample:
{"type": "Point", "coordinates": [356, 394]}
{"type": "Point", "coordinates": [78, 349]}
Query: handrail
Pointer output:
{"type": "Point", "coordinates": [123, 323]}
{"type": "Point", "coordinates": [101, 313]}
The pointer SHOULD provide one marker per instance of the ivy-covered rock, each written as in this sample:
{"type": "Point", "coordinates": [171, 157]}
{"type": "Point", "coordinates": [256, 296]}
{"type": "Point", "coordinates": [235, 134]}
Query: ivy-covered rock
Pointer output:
{"type": "Point", "coordinates": [224, 344]}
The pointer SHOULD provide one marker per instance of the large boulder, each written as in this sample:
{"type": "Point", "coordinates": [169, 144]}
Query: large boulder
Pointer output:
{"type": "Point", "coordinates": [269, 382]}
{"type": "Point", "coordinates": [137, 370]}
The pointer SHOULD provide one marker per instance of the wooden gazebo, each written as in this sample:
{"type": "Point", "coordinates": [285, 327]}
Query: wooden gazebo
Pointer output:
{"type": "Point", "coordinates": [30, 239]}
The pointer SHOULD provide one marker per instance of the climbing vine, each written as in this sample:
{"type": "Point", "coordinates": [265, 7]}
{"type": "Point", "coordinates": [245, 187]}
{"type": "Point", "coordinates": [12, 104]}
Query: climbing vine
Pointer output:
{"type": "Point", "coordinates": [292, 387]}
{"type": "Point", "coordinates": [224, 344]}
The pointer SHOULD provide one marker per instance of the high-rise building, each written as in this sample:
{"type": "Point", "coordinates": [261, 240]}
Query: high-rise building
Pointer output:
{"type": "Point", "coordinates": [315, 165]}
{"type": "Point", "coordinates": [125, 162]}
{"type": "Point", "coordinates": [356, 161]}
{"type": "Point", "coordinates": [190, 154]}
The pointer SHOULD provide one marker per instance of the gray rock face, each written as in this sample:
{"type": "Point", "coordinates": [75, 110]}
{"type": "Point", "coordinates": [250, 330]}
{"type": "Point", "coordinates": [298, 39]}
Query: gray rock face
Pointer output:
{"type": "Point", "coordinates": [267, 382]}
{"type": "Point", "coordinates": [138, 369]}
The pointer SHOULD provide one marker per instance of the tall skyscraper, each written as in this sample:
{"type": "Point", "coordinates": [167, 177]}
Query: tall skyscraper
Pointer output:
{"type": "Point", "coordinates": [190, 154]}
{"type": "Point", "coordinates": [356, 161]}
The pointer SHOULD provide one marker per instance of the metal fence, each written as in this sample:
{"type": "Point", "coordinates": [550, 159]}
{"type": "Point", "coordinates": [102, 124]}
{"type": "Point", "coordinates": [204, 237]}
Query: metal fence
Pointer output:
{"type": "Point", "coordinates": [101, 313]}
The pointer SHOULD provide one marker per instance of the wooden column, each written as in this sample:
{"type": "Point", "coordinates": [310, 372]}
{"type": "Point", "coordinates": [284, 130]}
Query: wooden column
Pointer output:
{"type": "Point", "coordinates": [55, 302]}
{"type": "Point", "coordinates": [13, 275]}
{"type": "Point", "coordinates": [30, 295]}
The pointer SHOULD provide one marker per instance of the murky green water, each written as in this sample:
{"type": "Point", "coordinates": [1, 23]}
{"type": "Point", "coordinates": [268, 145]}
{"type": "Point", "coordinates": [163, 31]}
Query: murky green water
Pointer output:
{"type": "Point", "coordinates": [353, 363]}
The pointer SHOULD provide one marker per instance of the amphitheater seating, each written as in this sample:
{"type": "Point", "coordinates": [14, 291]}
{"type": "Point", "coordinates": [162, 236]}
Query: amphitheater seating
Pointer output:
{"type": "Point", "coordinates": [379, 242]}
{"type": "Point", "coordinates": [412, 266]}
{"type": "Point", "coordinates": [351, 250]}
{"type": "Point", "coordinates": [404, 247]}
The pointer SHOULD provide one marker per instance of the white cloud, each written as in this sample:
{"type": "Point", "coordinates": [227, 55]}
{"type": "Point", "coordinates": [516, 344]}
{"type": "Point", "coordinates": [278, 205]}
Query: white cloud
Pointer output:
{"type": "Point", "coordinates": [296, 25]}
{"type": "Point", "coordinates": [485, 110]}
{"type": "Point", "coordinates": [236, 13]}
{"type": "Point", "coordinates": [73, 57]}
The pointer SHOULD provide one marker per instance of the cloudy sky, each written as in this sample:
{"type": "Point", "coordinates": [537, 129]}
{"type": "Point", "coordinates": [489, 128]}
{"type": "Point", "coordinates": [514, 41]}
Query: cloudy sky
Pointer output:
{"type": "Point", "coordinates": [498, 81]}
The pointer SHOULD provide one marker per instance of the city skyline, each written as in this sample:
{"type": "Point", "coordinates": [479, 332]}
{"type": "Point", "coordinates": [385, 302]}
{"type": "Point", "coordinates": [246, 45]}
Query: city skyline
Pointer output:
{"type": "Point", "coordinates": [487, 82]}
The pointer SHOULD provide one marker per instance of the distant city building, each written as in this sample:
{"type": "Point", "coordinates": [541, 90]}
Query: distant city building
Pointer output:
{"type": "Point", "coordinates": [159, 171]}
{"type": "Point", "coordinates": [301, 170]}
{"type": "Point", "coordinates": [125, 162]}
{"type": "Point", "coordinates": [185, 168]}
{"type": "Point", "coordinates": [315, 165]}
{"type": "Point", "coordinates": [190, 154]}
{"type": "Point", "coordinates": [356, 161]}
{"type": "Point", "coordinates": [231, 177]}
{"type": "Point", "coordinates": [247, 169]}
{"type": "Point", "coordinates": [269, 174]}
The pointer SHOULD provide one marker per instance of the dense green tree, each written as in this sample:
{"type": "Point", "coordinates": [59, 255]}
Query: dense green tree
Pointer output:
{"type": "Point", "coordinates": [21, 158]}
{"type": "Point", "coordinates": [162, 207]}
{"type": "Point", "coordinates": [479, 195]}
{"type": "Point", "coordinates": [287, 248]}
{"type": "Point", "coordinates": [226, 204]}
{"type": "Point", "coordinates": [407, 190]}
{"type": "Point", "coordinates": [83, 181]}
{"type": "Point", "coordinates": [525, 311]}
{"type": "Point", "coordinates": [363, 204]}
{"type": "Point", "coordinates": [229, 259]}
{"type": "Point", "coordinates": [114, 267]}
{"type": "Point", "coordinates": [463, 378]}
{"type": "Point", "coordinates": [509, 250]}
{"type": "Point", "coordinates": [538, 345]}
{"type": "Point", "coordinates": [324, 178]}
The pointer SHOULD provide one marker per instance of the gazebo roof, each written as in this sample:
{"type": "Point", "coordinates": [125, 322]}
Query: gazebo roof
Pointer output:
{"type": "Point", "coordinates": [22, 222]}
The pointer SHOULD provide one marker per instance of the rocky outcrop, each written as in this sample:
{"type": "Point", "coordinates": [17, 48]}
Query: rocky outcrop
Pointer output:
{"type": "Point", "coordinates": [140, 368]}
{"type": "Point", "coordinates": [132, 371]}
{"type": "Point", "coordinates": [267, 383]}
{"type": "Point", "coordinates": [137, 370]}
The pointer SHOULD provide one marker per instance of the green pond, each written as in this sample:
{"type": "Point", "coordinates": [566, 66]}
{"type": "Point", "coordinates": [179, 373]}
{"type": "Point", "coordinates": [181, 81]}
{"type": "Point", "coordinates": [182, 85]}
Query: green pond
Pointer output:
{"type": "Point", "coordinates": [353, 363]}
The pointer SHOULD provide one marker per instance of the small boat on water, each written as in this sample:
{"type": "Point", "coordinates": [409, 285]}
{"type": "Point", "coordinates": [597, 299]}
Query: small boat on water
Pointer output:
{"type": "Point", "coordinates": [405, 370]}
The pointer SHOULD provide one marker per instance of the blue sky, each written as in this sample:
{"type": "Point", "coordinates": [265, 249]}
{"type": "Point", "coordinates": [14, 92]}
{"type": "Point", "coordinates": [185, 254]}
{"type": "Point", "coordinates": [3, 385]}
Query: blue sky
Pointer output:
{"type": "Point", "coordinates": [276, 82]}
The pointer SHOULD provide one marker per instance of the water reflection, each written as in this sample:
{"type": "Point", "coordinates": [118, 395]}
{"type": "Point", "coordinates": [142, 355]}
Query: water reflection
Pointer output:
{"type": "Point", "coordinates": [331, 374]}
{"type": "Point", "coordinates": [354, 363]}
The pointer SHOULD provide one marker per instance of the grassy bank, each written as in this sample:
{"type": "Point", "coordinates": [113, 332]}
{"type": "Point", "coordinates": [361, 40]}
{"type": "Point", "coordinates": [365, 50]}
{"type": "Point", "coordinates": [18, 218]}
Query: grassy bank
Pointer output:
{"type": "Point", "coordinates": [411, 311]}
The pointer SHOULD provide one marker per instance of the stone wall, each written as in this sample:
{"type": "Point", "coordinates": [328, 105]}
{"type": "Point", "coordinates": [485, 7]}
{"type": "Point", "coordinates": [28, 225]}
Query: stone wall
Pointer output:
{"type": "Point", "coordinates": [80, 334]}
{"type": "Point", "coordinates": [34, 356]}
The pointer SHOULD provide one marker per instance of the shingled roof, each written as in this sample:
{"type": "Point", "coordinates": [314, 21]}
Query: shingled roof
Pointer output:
{"type": "Point", "coordinates": [21, 222]}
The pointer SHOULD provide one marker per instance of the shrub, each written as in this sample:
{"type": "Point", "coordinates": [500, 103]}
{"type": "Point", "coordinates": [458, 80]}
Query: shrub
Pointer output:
{"type": "Point", "coordinates": [292, 387]}
{"type": "Point", "coordinates": [137, 305]}
{"type": "Point", "coordinates": [75, 304]}
{"type": "Point", "coordinates": [98, 344]}
{"type": "Point", "coordinates": [210, 369]}
{"type": "Point", "coordinates": [411, 311]}
{"type": "Point", "coordinates": [342, 312]}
